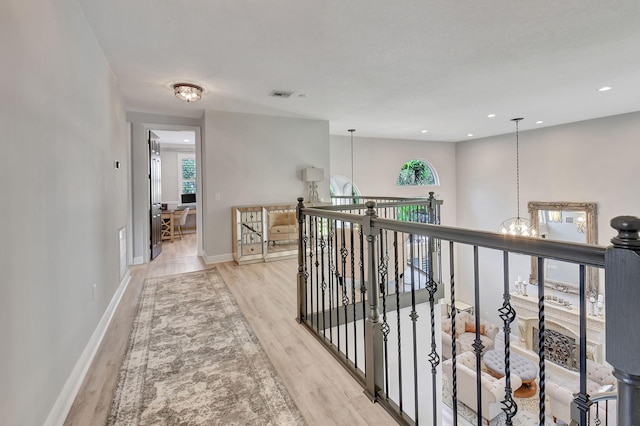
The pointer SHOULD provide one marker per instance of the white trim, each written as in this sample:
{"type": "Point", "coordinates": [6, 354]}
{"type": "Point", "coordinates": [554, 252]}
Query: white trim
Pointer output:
{"type": "Point", "coordinates": [61, 407]}
{"type": "Point", "coordinates": [138, 260]}
{"type": "Point", "coordinates": [217, 259]}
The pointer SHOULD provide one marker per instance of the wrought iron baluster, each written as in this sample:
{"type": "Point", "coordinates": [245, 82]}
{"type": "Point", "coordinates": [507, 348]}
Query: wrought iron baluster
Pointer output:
{"type": "Point", "coordinates": [305, 243]}
{"type": "Point", "coordinates": [323, 246]}
{"type": "Point", "coordinates": [382, 271]}
{"type": "Point", "coordinates": [398, 277]}
{"type": "Point", "coordinates": [477, 344]}
{"type": "Point", "coordinates": [317, 264]}
{"type": "Point", "coordinates": [414, 318]}
{"type": "Point", "coordinates": [434, 358]}
{"type": "Point", "coordinates": [363, 284]}
{"type": "Point", "coordinates": [582, 399]}
{"type": "Point", "coordinates": [507, 314]}
{"type": "Point", "coordinates": [541, 328]}
{"type": "Point", "coordinates": [454, 385]}
{"type": "Point", "coordinates": [332, 274]}
{"type": "Point", "coordinates": [345, 299]}
{"type": "Point", "coordinates": [353, 295]}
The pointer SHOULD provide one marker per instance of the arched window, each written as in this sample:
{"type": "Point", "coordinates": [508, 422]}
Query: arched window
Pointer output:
{"type": "Point", "coordinates": [341, 185]}
{"type": "Point", "coordinates": [417, 173]}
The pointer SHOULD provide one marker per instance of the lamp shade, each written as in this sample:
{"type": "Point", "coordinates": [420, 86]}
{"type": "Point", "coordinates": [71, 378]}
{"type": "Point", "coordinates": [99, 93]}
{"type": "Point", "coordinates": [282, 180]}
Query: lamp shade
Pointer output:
{"type": "Point", "coordinates": [313, 174]}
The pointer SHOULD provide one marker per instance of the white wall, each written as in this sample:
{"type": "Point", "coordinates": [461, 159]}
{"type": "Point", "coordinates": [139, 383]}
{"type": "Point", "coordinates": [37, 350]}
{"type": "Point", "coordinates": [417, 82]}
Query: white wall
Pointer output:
{"type": "Point", "coordinates": [254, 159]}
{"type": "Point", "coordinates": [169, 173]}
{"type": "Point", "coordinates": [589, 161]}
{"type": "Point", "coordinates": [63, 126]}
{"type": "Point", "coordinates": [377, 164]}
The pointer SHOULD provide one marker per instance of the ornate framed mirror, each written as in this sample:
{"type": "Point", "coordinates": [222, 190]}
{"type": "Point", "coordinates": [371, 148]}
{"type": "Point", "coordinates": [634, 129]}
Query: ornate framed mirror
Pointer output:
{"type": "Point", "coordinates": [565, 221]}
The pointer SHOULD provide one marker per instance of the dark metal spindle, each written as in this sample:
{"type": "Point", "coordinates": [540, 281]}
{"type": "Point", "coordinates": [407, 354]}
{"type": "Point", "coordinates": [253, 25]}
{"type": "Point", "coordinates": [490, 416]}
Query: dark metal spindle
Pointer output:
{"type": "Point", "coordinates": [323, 245]}
{"type": "Point", "coordinates": [414, 319]}
{"type": "Point", "coordinates": [541, 338]}
{"type": "Point", "coordinates": [477, 344]}
{"type": "Point", "coordinates": [507, 314]}
{"type": "Point", "coordinates": [382, 271]}
{"type": "Point", "coordinates": [454, 385]}
{"type": "Point", "coordinates": [582, 399]}
{"type": "Point", "coordinates": [332, 274]}
{"type": "Point", "coordinates": [398, 277]}
{"type": "Point", "coordinates": [434, 358]}
{"type": "Point", "coordinates": [345, 299]}
{"type": "Point", "coordinates": [353, 296]}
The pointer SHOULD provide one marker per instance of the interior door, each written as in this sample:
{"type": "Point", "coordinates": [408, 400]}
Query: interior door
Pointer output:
{"type": "Point", "coordinates": [155, 186]}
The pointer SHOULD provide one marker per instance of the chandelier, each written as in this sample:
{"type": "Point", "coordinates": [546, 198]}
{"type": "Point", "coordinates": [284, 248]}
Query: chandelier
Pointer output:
{"type": "Point", "coordinates": [517, 225]}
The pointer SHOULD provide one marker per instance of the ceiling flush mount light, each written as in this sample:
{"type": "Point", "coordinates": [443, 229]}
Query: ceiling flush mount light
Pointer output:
{"type": "Point", "coordinates": [187, 92]}
{"type": "Point", "coordinates": [517, 225]}
{"type": "Point", "coordinates": [604, 89]}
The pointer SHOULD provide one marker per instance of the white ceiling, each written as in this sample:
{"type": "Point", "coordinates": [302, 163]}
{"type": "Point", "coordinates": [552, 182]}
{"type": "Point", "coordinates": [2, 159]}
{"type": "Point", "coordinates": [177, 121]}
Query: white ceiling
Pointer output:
{"type": "Point", "coordinates": [176, 137]}
{"type": "Point", "coordinates": [386, 68]}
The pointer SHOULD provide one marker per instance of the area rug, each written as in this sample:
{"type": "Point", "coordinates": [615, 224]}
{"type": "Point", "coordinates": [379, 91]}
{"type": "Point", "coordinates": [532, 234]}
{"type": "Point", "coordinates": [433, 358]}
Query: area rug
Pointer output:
{"type": "Point", "coordinates": [528, 409]}
{"type": "Point", "coordinates": [192, 359]}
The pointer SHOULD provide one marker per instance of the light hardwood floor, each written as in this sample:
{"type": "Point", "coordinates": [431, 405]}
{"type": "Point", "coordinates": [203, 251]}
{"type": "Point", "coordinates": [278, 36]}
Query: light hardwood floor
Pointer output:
{"type": "Point", "coordinates": [322, 389]}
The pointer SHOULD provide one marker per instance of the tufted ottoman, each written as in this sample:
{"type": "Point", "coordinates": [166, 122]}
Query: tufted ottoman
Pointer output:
{"type": "Point", "coordinates": [523, 367]}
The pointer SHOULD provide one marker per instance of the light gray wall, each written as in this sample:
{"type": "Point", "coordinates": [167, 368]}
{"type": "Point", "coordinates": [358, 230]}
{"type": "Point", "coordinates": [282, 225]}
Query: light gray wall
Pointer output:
{"type": "Point", "coordinates": [169, 165]}
{"type": "Point", "coordinates": [140, 124]}
{"type": "Point", "coordinates": [254, 159]}
{"type": "Point", "coordinates": [377, 164]}
{"type": "Point", "coordinates": [589, 161]}
{"type": "Point", "coordinates": [63, 126]}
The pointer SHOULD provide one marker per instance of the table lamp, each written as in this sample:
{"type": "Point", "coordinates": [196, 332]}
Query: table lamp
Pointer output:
{"type": "Point", "coordinates": [313, 175]}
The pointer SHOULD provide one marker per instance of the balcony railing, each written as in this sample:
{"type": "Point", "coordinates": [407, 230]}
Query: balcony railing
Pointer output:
{"type": "Point", "coordinates": [369, 288]}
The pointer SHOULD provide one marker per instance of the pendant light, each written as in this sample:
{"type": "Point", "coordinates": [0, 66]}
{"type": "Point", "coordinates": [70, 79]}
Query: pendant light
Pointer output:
{"type": "Point", "coordinates": [517, 225]}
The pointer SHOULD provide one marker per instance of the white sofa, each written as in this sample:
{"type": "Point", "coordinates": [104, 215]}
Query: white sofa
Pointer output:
{"type": "Point", "coordinates": [464, 341]}
{"type": "Point", "coordinates": [561, 394]}
{"type": "Point", "coordinates": [492, 388]}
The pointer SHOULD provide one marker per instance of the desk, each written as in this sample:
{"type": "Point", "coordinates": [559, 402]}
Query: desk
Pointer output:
{"type": "Point", "coordinates": [167, 225]}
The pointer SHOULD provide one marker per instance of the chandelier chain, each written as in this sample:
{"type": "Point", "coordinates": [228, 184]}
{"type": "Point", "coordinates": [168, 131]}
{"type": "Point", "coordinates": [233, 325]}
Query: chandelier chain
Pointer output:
{"type": "Point", "coordinates": [518, 168]}
{"type": "Point", "coordinates": [517, 120]}
{"type": "Point", "coordinates": [351, 131]}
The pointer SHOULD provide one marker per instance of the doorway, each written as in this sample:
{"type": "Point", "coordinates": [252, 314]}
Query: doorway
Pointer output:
{"type": "Point", "coordinates": [180, 184]}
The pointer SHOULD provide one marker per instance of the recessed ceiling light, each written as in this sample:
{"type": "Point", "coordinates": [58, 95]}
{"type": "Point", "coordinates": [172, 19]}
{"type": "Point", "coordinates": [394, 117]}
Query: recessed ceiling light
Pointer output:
{"type": "Point", "coordinates": [604, 89]}
{"type": "Point", "coordinates": [186, 140]}
{"type": "Point", "coordinates": [423, 131]}
{"type": "Point", "coordinates": [491, 115]}
{"type": "Point", "coordinates": [539, 122]}
{"type": "Point", "coordinates": [302, 95]}
{"type": "Point", "coordinates": [469, 135]}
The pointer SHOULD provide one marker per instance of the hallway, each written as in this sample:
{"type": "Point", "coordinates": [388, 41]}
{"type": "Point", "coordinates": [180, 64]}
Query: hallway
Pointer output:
{"type": "Point", "coordinates": [323, 390]}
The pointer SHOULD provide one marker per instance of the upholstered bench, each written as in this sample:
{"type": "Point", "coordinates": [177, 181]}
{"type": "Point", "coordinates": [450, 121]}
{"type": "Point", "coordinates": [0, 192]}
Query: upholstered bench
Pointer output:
{"type": "Point", "coordinates": [518, 364]}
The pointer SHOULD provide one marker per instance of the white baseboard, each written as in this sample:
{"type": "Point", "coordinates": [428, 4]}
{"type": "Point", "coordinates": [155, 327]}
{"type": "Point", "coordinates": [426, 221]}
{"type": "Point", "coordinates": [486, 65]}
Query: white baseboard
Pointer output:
{"type": "Point", "coordinates": [216, 259]}
{"type": "Point", "coordinates": [60, 409]}
{"type": "Point", "coordinates": [138, 260]}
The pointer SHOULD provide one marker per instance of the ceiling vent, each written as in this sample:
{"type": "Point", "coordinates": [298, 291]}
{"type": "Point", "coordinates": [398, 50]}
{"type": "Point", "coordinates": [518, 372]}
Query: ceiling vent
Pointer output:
{"type": "Point", "coordinates": [280, 93]}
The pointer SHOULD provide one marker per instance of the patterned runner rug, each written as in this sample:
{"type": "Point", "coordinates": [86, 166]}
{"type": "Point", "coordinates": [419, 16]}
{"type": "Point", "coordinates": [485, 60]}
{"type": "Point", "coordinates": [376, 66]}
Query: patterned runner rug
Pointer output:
{"type": "Point", "coordinates": [192, 359]}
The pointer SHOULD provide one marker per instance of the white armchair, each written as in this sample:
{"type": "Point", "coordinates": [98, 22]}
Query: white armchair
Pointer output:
{"type": "Point", "coordinates": [464, 342]}
{"type": "Point", "coordinates": [492, 388]}
{"type": "Point", "coordinates": [561, 394]}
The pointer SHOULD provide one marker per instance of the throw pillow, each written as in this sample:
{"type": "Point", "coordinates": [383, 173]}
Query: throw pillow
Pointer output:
{"type": "Point", "coordinates": [470, 327]}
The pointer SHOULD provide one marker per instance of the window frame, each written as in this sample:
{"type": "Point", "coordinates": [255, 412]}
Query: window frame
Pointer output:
{"type": "Point", "coordinates": [181, 180]}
